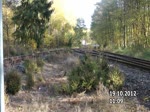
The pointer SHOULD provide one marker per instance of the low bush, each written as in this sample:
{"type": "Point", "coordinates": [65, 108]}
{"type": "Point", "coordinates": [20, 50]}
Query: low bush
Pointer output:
{"type": "Point", "coordinates": [31, 66]}
{"type": "Point", "coordinates": [64, 89]}
{"type": "Point", "coordinates": [13, 51]}
{"type": "Point", "coordinates": [40, 63]}
{"type": "Point", "coordinates": [116, 79]}
{"type": "Point", "coordinates": [13, 82]}
{"type": "Point", "coordinates": [104, 71]}
{"type": "Point", "coordinates": [30, 81]}
{"type": "Point", "coordinates": [87, 75]}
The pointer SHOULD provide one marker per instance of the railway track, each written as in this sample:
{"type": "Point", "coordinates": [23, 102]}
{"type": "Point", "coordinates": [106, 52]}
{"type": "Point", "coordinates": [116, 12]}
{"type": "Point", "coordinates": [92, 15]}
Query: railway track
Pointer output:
{"type": "Point", "coordinates": [136, 62]}
{"type": "Point", "coordinates": [10, 61]}
{"type": "Point", "coordinates": [131, 79]}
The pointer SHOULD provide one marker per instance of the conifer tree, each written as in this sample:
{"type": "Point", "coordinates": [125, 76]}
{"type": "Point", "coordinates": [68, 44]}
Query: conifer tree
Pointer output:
{"type": "Point", "coordinates": [32, 18]}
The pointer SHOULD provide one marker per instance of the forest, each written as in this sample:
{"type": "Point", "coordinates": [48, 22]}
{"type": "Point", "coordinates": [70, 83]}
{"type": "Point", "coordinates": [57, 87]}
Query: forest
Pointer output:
{"type": "Point", "coordinates": [38, 25]}
{"type": "Point", "coordinates": [122, 24]}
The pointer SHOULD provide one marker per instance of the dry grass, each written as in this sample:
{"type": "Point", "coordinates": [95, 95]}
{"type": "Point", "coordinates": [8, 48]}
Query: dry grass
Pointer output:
{"type": "Point", "coordinates": [44, 97]}
{"type": "Point", "coordinates": [96, 102]}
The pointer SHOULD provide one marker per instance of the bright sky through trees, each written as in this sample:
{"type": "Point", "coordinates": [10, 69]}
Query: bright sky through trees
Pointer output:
{"type": "Point", "coordinates": [77, 9]}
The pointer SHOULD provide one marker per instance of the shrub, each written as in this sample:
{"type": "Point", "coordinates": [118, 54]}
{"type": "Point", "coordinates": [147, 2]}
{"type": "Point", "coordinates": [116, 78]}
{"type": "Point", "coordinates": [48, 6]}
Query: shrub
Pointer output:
{"type": "Point", "coordinates": [104, 70]}
{"type": "Point", "coordinates": [33, 67]}
{"type": "Point", "coordinates": [87, 75]}
{"type": "Point", "coordinates": [30, 66]}
{"type": "Point", "coordinates": [30, 81]}
{"type": "Point", "coordinates": [13, 51]}
{"type": "Point", "coordinates": [40, 62]}
{"type": "Point", "coordinates": [64, 88]}
{"type": "Point", "coordinates": [13, 82]}
{"type": "Point", "coordinates": [116, 79]}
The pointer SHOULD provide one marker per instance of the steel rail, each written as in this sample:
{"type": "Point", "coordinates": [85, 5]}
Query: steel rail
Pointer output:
{"type": "Point", "coordinates": [129, 57]}
{"type": "Point", "coordinates": [17, 59]}
{"type": "Point", "coordinates": [136, 62]}
{"type": "Point", "coordinates": [145, 64]}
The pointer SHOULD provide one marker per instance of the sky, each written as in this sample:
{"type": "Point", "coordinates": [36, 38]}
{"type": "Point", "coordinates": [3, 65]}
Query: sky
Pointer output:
{"type": "Point", "coordinates": [74, 9]}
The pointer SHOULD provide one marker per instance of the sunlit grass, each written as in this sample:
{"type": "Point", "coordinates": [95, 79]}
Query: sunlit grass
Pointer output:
{"type": "Point", "coordinates": [142, 53]}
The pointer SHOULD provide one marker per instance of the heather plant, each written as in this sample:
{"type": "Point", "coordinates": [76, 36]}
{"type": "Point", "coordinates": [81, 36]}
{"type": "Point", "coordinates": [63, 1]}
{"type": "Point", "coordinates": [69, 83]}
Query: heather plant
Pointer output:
{"type": "Point", "coordinates": [13, 82]}
{"type": "Point", "coordinates": [40, 63]}
{"type": "Point", "coordinates": [116, 79]}
{"type": "Point", "coordinates": [87, 75]}
{"type": "Point", "coordinates": [33, 67]}
{"type": "Point", "coordinates": [30, 66]}
{"type": "Point", "coordinates": [30, 81]}
{"type": "Point", "coordinates": [104, 70]}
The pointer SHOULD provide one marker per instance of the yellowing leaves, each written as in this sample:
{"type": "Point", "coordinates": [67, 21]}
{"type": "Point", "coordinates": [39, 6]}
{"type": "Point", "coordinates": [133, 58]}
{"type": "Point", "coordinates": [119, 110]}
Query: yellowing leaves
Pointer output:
{"type": "Point", "coordinates": [33, 44]}
{"type": "Point", "coordinates": [61, 9]}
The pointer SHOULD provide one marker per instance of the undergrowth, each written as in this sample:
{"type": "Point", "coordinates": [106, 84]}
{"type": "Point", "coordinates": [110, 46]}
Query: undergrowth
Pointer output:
{"type": "Point", "coordinates": [138, 52]}
{"type": "Point", "coordinates": [13, 82]}
{"type": "Point", "coordinates": [32, 70]}
{"type": "Point", "coordinates": [87, 75]}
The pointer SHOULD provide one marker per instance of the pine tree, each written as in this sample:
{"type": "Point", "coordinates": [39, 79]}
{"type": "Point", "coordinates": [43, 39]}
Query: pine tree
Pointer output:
{"type": "Point", "coordinates": [32, 18]}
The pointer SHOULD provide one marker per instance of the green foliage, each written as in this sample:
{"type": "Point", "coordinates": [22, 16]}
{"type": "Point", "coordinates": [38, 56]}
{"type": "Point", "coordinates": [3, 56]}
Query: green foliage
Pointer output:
{"type": "Point", "coordinates": [116, 79]}
{"type": "Point", "coordinates": [80, 32]}
{"type": "Point", "coordinates": [70, 41]}
{"type": "Point", "coordinates": [30, 66]}
{"type": "Point", "coordinates": [13, 51]}
{"type": "Point", "coordinates": [40, 63]}
{"type": "Point", "coordinates": [104, 70]}
{"type": "Point", "coordinates": [87, 75]}
{"type": "Point", "coordinates": [64, 89]}
{"type": "Point", "coordinates": [59, 31]}
{"type": "Point", "coordinates": [31, 18]}
{"type": "Point", "coordinates": [7, 23]}
{"type": "Point", "coordinates": [137, 52]}
{"type": "Point", "coordinates": [13, 82]}
{"type": "Point", "coordinates": [116, 23]}
{"type": "Point", "coordinates": [33, 67]}
{"type": "Point", "coordinates": [30, 81]}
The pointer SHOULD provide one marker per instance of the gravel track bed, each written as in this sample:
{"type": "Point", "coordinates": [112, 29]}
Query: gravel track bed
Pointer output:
{"type": "Point", "coordinates": [136, 80]}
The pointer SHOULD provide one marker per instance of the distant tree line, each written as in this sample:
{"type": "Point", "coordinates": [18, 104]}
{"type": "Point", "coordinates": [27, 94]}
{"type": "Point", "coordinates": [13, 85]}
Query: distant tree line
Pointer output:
{"type": "Point", "coordinates": [122, 23]}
